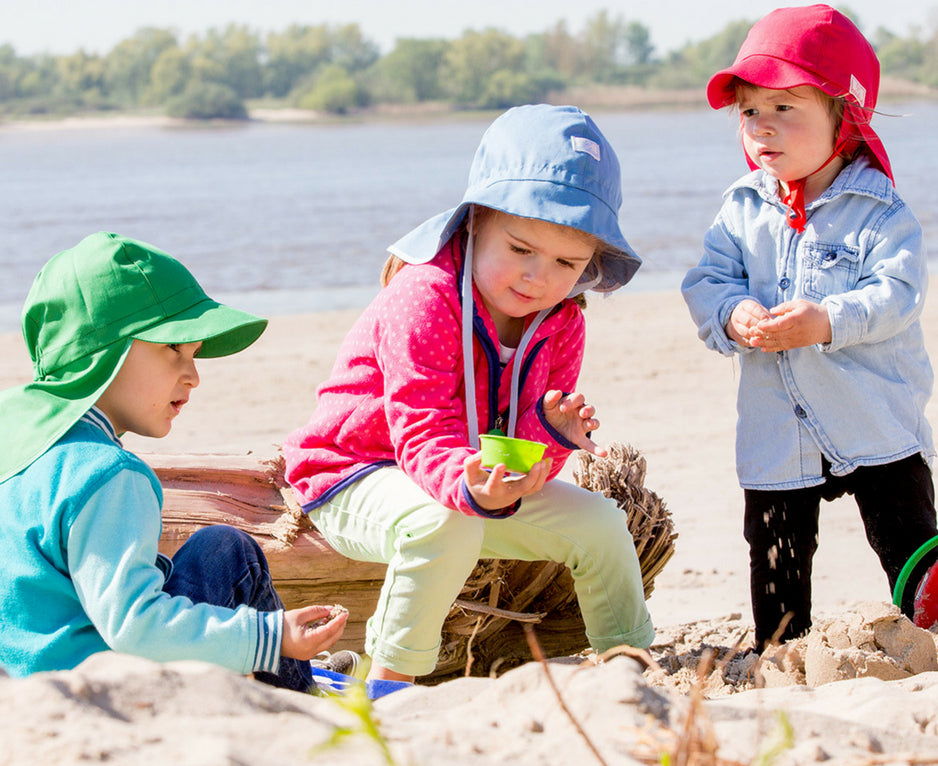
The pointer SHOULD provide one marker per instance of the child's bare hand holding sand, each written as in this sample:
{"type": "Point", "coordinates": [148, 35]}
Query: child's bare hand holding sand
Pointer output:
{"type": "Point", "coordinates": [742, 327]}
{"type": "Point", "coordinates": [793, 324]}
{"type": "Point", "coordinates": [309, 630]}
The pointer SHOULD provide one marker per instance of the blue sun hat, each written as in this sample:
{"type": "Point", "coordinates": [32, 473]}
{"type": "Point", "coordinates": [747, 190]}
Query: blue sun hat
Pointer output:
{"type": "Point", "coordinates": [546, 162]}
{"type": "Point", "coordinates": [550, 163]}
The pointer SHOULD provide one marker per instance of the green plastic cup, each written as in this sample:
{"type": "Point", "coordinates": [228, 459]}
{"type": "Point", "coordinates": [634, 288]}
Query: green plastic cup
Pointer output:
{"type": "Point", "coordinates": [518, 455]}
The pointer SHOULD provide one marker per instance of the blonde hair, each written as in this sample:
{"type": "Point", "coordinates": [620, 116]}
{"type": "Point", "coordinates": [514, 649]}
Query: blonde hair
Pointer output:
{"type": "Point", "coordinates": [480, 215]}
{"type": "Point", "coordinates": [391, 266]}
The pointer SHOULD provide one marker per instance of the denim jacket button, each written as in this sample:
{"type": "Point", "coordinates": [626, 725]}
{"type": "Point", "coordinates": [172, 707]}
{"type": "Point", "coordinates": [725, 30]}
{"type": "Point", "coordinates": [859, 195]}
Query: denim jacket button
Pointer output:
{"type": "Point", "coordinates": [800, 411]}
{"type": "Point", "coordinates": [830, 255]}
{"type": "Point", "coordinates": [784, 283]}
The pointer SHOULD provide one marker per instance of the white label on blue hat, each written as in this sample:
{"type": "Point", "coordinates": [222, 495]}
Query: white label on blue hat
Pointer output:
{"type": "Point", "coordinates": [857, 90]}
{"type": "Point", "coordinates": [587, 146]}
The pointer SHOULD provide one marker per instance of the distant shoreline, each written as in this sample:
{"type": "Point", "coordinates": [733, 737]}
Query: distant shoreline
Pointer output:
{"type": "Point", "coordinates": [593, 98]}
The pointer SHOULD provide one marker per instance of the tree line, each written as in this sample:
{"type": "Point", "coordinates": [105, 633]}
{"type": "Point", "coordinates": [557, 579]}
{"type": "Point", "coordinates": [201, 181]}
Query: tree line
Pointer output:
{"type": "Point", "coordinates": [337, 69]}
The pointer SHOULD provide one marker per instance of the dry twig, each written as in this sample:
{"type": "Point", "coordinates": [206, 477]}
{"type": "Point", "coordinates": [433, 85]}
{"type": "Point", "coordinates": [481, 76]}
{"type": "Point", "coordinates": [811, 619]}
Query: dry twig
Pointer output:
{"type": "Point", "coordinates": [539, 656]}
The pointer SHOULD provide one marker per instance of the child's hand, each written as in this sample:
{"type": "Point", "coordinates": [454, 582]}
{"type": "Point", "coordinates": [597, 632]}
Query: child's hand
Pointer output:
{"type": "Point", "coordinates": [302, 642]}
{"type": "Point", "coordinates": [493, 491]}
{"type": "Point", "coordinates": [743, 321]}
{"type": "Point", "coordinates": [573, 417]}
{"type": "Point", "coordinates": [792, 325]}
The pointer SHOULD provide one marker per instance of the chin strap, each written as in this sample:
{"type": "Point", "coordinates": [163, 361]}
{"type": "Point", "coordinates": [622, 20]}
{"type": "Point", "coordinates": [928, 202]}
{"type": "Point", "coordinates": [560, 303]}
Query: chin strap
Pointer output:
{"type": "Point", "coordinates": [469, 376]}
{"type": "Point", "coordinates": [469, 373]}
{"type": "Point", "coordinates": [797, 216]}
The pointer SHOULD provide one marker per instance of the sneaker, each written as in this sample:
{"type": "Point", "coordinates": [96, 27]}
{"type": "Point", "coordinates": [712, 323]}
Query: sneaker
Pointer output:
{"type": "Point", "coordinates": [345, 662]}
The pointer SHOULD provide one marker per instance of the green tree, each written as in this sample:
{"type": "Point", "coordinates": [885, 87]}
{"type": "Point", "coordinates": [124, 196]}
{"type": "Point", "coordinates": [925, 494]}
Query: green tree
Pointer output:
{"type": "Point", "coordinates": [506, 89]}
{"type": "Point", "coordinates": [301, 51]}
{"type": "Point", "coordinates": [558, 50]}
{"type": "Point", "coordinates": [638, 45]}
{"type": "Point", "coordinates": [333, 90]}
{"type": "Point", "coordinates": [79, 81]}
{"type": "Point", "coordinates": [80, 72]}
{"type": "Point", "coordinates": [609, 47]}
{"type": "Point", "coordinates": [231, 57]}
{"type": "Point", "coordinates": [602, 42]}
{"type": "Point", "coordinates": [693, 65]}
{"type": "Point", "coordinates": [127, 67]}
{"type": "Point", "coordinates": [9, 72]}
{"type": "Point", "coordinates": [207, 101]}
{"type": "Point", "coordinates": [912, 58]}
{"type": "Point", "coordinates": [169, 76]}
{"type": "Point", "coordinates": [351, 50]}
{"type": "Point", "coordinates": [471, 61]}
{"type": "Point", "coordinates": [411, 71]}
{"type": "Point", "coordinates": [15, 70]}
{"type": "Point", "coordinates": [36, 83]}
{"type": "Point", "coordinates": [293, 55]}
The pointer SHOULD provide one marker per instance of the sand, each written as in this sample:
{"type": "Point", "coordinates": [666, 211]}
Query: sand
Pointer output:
{"type": "Point", "coordinates": [862, 688]}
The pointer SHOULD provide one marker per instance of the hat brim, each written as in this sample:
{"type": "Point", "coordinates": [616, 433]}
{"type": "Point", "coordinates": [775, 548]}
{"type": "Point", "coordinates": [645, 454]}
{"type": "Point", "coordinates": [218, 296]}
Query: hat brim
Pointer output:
{"type": "Point", "coordinates": [220, 329]}
{"type": "Point", "coordinates": [37, 415]}
{"type": "Point", "coordinates": [618, 263]}
{"type": "Point", "coordinates": [764, 72]}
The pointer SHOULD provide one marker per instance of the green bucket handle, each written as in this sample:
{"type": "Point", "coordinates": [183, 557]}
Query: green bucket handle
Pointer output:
{"type": "Point", "coordinates": [906, 572]}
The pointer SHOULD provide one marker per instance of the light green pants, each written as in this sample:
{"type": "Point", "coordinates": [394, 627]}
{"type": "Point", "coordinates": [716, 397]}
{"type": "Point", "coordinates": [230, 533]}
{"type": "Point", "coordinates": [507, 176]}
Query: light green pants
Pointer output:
{"type": "Point", "coordinates": [430, 550]}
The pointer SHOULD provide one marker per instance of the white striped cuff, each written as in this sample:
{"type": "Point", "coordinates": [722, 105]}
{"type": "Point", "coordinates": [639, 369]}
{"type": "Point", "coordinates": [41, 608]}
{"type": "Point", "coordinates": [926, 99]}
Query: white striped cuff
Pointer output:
{"type": "Point", "coordinates": [270, 630]}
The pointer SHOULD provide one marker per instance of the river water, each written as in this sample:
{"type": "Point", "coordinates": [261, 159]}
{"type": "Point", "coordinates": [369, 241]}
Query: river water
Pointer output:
{"type": "Point", "coordinates": [288, 218]}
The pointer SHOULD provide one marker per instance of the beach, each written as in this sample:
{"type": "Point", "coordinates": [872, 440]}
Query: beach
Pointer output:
{"type": "Point", "coordinates": [656, 387]}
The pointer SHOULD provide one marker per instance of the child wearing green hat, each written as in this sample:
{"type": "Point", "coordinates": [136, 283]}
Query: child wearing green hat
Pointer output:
{"type": "Point", "coordinates": [113, 327]}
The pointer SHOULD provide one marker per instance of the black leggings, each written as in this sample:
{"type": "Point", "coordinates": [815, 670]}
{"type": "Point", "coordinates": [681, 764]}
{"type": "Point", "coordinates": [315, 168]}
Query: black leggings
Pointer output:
{"type": "Point", "coordinates": [897, 506]}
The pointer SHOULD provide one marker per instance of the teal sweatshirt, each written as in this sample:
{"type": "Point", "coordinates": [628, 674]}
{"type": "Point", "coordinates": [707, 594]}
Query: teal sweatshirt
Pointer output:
{"type": "Point", "coordinates": [81, 573]}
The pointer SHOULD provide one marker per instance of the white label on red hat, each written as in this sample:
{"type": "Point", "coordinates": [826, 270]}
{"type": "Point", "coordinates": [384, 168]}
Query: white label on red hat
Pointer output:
{"type": "Point", "coordinates": [857, 90]}
{"type": "Point", "coordinates": [587, 146]}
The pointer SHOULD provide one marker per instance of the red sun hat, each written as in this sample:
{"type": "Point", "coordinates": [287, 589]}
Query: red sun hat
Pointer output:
{"type": "Point", "coordinates": [811, 45]}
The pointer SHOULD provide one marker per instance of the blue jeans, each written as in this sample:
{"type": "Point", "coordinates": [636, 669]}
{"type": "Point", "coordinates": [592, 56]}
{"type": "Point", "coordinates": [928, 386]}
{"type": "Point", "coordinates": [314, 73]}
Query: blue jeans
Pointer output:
{"type": "Point", "coordinates": [224, 566]}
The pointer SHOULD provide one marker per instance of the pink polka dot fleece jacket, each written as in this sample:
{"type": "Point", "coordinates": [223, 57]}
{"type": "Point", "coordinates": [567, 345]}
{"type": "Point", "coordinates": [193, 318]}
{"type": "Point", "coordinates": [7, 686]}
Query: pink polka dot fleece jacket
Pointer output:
{"type": "Point", "coordinates": [396, 394]}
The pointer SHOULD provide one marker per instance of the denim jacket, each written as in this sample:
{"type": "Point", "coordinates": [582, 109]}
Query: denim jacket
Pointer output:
{"type": "Point", "coordinates": [858, 400]}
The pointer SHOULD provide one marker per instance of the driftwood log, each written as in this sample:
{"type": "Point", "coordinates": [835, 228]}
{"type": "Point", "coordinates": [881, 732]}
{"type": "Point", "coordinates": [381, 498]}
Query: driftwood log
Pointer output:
{"type": "Point", "coordinates": [484, 629]}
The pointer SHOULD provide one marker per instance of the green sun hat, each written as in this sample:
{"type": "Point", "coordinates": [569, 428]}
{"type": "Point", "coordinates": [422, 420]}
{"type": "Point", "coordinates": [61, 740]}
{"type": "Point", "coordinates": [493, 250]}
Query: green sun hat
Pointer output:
{"type": "Point", "coordinates": [85, 308]}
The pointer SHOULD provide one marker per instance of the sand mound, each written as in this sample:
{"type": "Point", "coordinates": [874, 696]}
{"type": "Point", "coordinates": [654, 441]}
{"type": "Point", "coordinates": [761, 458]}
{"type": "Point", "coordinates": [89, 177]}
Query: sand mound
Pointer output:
{"type": "Point", "coordinates": [877, 640]}
{"type": "Point", "coordinates": [873, 640]}
{"type": "Point", "coordinates": [126, 710]}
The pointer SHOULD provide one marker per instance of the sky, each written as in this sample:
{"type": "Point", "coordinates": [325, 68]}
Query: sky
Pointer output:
{"type": "Point", "coordinates": [65, 26]}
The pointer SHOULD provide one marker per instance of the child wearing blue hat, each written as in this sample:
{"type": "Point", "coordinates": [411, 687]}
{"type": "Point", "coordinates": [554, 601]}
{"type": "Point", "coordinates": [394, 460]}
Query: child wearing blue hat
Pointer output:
{"type": "Point", "coordinates": [113, 327]}
{"type": "Point", "coordinates": [477, 330]}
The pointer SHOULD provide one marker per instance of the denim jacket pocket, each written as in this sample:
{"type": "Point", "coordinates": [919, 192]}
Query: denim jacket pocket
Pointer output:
{"type": "Point", "coordinates": [829, 269]}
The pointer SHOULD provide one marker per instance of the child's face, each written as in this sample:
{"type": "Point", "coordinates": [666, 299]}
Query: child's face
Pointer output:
{"type": "Point", "coordinates": [151, 387]}
{"type": "Point", "coordinates": [522, 265]}
{"type": "Point", "coordinates": [789, 133]}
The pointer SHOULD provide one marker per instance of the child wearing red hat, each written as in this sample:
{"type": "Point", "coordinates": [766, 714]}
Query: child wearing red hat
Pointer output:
{"type": "Point", "coordinates": [814, 273]}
